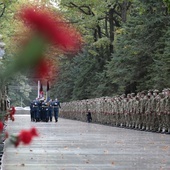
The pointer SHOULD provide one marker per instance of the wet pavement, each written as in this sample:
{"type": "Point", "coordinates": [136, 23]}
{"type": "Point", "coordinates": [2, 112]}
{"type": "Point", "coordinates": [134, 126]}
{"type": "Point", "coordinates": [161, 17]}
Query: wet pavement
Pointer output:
{"type": "Point", "coordinates": [75, 145]}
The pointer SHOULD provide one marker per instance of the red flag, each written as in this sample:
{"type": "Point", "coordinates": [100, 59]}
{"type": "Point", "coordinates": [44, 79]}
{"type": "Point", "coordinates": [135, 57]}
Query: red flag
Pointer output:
{"type": "Point", "coordinates": [41, 90]}
{"type": "Point", "coordinates": [48, 86]}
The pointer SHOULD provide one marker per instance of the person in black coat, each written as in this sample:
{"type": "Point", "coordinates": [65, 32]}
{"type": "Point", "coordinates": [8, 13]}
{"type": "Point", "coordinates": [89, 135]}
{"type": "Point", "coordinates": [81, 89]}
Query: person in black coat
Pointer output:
{"type": "Point", "coordinates": [56, 106]}
{"type": "Point", "coordinates": [89, 117]}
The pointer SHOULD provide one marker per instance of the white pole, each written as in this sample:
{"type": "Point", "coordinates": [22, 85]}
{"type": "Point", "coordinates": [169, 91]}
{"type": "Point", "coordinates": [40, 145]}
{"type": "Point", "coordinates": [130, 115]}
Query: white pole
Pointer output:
{"type": "Point", "coordinates": [38, 88]}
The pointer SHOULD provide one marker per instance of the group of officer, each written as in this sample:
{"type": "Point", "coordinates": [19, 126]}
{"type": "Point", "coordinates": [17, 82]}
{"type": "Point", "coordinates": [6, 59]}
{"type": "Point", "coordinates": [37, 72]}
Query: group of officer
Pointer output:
{"type": "Point", "coordinates": [42, 110]}
{"type": "Point", "coordinates": [146, 110]}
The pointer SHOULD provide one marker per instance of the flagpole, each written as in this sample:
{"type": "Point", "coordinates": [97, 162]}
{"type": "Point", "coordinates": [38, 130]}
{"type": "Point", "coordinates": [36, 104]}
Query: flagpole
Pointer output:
{"type": "Point", "coordinates": [47, 91]}
{"type": "Point", "coordinates": [38, 88]}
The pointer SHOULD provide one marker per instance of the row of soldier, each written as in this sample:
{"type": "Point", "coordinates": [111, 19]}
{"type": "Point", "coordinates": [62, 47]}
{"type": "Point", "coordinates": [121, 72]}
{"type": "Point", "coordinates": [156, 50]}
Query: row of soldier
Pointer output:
{"type": "Point", "coordinates": [147, 110]}
{"type": "Point", "coordinates": [41, 110]}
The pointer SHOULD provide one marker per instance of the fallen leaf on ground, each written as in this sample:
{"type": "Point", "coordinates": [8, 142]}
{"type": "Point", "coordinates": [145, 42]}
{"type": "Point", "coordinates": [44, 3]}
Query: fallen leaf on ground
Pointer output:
{"type": "Point", "coordinates": [113, 163]}
{"type": "Point", "coordinates": [106, 151]}
{"type": "Point", "coordinates": [165, 148]}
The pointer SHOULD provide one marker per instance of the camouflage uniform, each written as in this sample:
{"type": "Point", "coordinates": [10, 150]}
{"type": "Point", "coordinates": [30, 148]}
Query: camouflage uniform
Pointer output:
{"type": "Point", "coordinates": [167, 109]}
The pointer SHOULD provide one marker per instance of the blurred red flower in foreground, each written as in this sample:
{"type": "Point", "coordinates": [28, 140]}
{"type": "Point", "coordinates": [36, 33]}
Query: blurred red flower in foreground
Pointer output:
{"type": "Point", "coordinates": [52, 27]}
{"type": "Point", "coordinates": [45, 69]}
{"type": "Point", "coordinates": [1, 126]}
{"type": "Point", "coordinates": [25, 136]}
{"type": "Point", "coordinates": [12, 110]}
{"type": "Point", "coordinates": [10, 114]}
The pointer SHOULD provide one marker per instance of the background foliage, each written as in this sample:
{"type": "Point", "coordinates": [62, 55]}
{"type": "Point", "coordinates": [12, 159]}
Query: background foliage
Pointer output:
{"type": "Point", "coordinates": [126, 47]}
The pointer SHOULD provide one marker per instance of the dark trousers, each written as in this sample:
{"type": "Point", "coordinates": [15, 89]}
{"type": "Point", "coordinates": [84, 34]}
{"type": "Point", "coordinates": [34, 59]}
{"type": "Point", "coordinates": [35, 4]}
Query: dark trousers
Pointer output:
{"type": "Point", "coordinates": [50, 115]}
{"type": "Point", "coordinates": [56, 114]}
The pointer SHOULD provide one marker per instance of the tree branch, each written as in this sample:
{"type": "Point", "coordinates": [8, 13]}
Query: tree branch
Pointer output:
{"type": "Point", "coordinates": [3, 9]}
{"type": "Point", "coordinates": [82, 10]}
{"type": "Point", "coordinates": [117, 23]}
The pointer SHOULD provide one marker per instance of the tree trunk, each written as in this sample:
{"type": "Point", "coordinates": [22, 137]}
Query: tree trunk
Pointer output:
{"type": "Point", "coordinates": [124, 10]}
{"type": "Point", "coordinates": [111, 27]}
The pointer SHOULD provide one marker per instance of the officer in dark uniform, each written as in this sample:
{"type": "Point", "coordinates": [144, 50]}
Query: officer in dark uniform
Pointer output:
{"type": "Point", "coordinates": [43, 115]}
{"type": "Point", "coordinates": [40, 109]}
{"type": "Point", "coordinates": [56, 106]}
{"type": "Point", "coordinates": [89, 117]}
{"type": "Point", "coordinates": [36, 110]}
{"type": "Point", "coordinates": [50, 110]}
{"type": "Point", "coordinates": [32, 111]}
{"type": "Point", "coordinates": [46, 113]}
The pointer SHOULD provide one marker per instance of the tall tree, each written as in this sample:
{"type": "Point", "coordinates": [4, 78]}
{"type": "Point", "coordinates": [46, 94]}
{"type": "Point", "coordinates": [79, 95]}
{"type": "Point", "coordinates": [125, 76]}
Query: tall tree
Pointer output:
{"type": "Point", "coordinates": [137, 45]}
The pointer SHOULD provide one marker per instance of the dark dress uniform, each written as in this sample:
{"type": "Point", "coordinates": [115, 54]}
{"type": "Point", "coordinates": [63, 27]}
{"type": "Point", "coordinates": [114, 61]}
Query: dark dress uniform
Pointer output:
{"type": "Point", "coordinates": [40, 110]}
{"type": "Point", "coordinates": [44, 115]}
{"type": "Point", "coordinates": [46, 118]}
{"type": "Point", "coordinates": [89, 117]}
{"type": "Point", "coordinates": [56, 106]}
{"type": "Point", "coordinates": [36, 110]}
{"type": "Point", "coordinates": [32, 111]}
{"type": "Point", "coordinates": [50, 111]}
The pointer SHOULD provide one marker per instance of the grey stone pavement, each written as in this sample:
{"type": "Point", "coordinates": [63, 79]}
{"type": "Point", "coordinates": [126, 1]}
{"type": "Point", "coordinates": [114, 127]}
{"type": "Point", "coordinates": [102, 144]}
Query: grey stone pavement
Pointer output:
{"type": "Point", "coordinates": [74, 145]}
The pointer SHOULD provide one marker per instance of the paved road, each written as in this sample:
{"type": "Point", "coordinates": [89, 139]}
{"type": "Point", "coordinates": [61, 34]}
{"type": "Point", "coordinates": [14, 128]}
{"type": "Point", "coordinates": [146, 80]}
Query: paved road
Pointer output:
{"type": "Point", "coordinates": [74, 145]}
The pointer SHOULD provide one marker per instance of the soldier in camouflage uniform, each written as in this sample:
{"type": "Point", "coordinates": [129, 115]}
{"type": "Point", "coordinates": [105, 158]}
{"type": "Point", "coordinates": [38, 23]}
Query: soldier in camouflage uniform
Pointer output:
{"type": "Point", "coordinates": [155, 108]}
{"type": "Point", "coordinates": [162, 124]}
{"type": "Point", "coordinates": [148, 112]}
{"type": "Point", "coordinates": [152, 113]}
{"type": "Point", "coordinates": [136, 112]}
{"type": "Point", "coordinates": [142, 106]}
{"type": "Point", "coordinates": [132, 110]}
{"type": "Point", "coordinates": [167, 109]}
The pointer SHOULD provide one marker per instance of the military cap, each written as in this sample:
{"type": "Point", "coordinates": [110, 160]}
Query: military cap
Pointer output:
{"type": "Point", "coordinates": [164, 90]}
{"type": "Point", "coordinates": [132, 94]}
{"type": "Point", "coordinates": [161, 95]}
{"type": "Point", "coordinates": [144, 92]}
{"type": "Point", "coordinates": [150, 91]}
{"type": "Point", "coordinates": [156, 91]}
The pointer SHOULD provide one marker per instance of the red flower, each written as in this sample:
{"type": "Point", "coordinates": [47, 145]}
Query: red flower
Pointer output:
{"type": "Point", "coordinates": [17, 141]}
{"type": "Point", "coordinates": [54, 28]}
{"type": "Point", "coordinates": [45, 69]}
{"type": "Point", "coordinates": [12, 118]}
{"type": "Point", "coordinates": [34, 131]}
{"type": "Point", "coordinates": [25, 136]}
{"type": "Point", "coordinates": [12, 110]}
{"type": "Point", "coordinates": [1, 126]}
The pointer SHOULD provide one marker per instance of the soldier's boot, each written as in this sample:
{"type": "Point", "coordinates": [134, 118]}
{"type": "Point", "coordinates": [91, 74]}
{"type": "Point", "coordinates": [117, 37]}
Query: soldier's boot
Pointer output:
{"type": "Point", "coordinates": [150, 128]}
{"type": "Point", "coordinates": [168, 131]}
{"type": "Point", "coordinates": [139, 126]}
{"type": "Point", "coordinates": [163, 130]}
{"type": "Point", "coordinates": [133, 126]}
{"type": "Point", "coordinates": [147, 128]}
{"type": "Point", "coordinates": [143, 127]}
{"type": "Point", "coordinates": [159, 130]}
{"type": "Point", "coordinates": [156, 128]}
